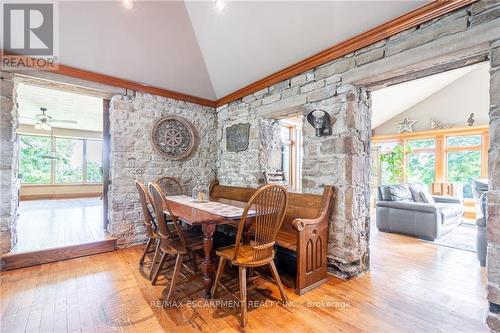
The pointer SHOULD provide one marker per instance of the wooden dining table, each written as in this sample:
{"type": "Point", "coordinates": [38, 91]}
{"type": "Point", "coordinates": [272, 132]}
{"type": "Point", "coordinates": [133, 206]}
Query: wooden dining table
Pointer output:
{"type": "Point", "coordinates": [208, 220]}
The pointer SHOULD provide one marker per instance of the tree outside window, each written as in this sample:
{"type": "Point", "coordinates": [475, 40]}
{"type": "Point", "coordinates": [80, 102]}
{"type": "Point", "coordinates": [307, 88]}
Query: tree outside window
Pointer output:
{"type": "Point", "coordinates": [77, 160]}
{"type": "Point", "coordinates": [34, 167]}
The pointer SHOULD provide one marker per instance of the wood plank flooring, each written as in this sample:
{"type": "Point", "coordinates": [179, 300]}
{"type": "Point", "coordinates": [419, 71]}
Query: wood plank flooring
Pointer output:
{"type": "Point", "coordinates": [46, 224]}
{"type": "Point", "coordinates": [413, 286]}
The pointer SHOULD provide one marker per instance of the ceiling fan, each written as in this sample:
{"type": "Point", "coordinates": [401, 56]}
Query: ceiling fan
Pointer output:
{"type": "Point", "coordinates": [44, 121]}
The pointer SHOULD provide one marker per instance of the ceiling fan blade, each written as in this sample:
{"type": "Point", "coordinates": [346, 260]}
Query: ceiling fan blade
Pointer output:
{"type": "Point", "coordinates": [30, 118]}
{"type": "Point", "coordinates": [62, 121]}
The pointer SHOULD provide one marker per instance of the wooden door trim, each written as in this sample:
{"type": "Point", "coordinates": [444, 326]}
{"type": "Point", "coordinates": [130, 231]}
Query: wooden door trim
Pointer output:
{"type": "Point", "coordinates": [106, 150]}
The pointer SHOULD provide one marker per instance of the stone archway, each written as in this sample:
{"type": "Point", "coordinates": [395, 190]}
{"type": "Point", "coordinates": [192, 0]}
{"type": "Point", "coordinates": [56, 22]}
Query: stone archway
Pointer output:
{"type": "Point", "coordinates": [479, 53]}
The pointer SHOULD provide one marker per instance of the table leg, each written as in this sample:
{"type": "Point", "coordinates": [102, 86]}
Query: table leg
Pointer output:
{"type": "Point", "coordinates": [208, 266]}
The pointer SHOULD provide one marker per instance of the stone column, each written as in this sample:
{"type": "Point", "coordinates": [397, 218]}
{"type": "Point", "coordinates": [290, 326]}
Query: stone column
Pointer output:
{"type": "Point", "coordinates": [493, 223]}
{"type": "Point", "coordinates": [343, 159]}
{"type": "Point", "coordinates": [8, 163]}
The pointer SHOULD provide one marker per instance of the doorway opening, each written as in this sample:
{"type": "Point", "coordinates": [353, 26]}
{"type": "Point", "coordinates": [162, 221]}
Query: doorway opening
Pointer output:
{"type": "Point", "coordinates": [60, 135]}
{"type": "Point", "coordinates": [430, 157]}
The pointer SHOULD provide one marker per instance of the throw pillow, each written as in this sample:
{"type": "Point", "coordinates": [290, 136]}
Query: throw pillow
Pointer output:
{"type": "Point", "coordinates": [398, 192]}
{"type": "Point", "coordinates": [416, 190]}
{"type": "Point", "coordinates": [427, 197]}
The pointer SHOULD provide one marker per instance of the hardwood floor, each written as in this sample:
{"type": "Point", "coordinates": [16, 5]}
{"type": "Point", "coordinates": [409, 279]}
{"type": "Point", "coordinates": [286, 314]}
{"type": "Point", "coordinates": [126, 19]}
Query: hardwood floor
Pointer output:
{"type": "Point", "coordinates": [45, 224]}
{"type": "Point", "coordinates": [413, 286]}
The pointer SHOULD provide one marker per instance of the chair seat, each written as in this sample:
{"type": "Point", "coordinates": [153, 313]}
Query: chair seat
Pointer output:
{"type": "Point", "coordinates": [245, 255]}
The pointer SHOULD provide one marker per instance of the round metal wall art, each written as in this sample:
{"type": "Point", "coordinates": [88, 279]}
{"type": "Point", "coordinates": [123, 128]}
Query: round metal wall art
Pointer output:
{"type": "Point", "coordinates": [173, 137]}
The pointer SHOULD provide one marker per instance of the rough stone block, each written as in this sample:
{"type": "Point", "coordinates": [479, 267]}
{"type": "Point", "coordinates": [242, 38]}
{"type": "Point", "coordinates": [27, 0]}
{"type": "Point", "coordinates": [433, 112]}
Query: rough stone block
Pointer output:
{"type": "Point", "coordinates": [493, 293]}
{"type": "Point", "coordinates": [280, 86]}
{"type": "Point", "coordinates": [495, 87]}
{"type": "Point", "coordinates": [495, 57]}
{"type": "Point", "coordinates": [312, 86]}
{"type": "Point", "coordinates": [321, 94]}
{"type": "Point", "coordinates": [485, 16]}
{"type": "Point", "coordinates": [481, 6]}
{"type": "Point", "coordinates": [446, 26]}
{"type": "Point", "coordinates": [493, 264]}
{"type": "Point", "coordinates": [493, 225]}
{"type": "Point", "coordinates": [271, 99]}
{"type": "Point", "coordinates": [369, 56]}
{"type": "Point", "coordinates": [298, 80]}
{"type": "Point", "coordinates": [337, 67]}
{"type": "Point", "coordinates": [493, 321]}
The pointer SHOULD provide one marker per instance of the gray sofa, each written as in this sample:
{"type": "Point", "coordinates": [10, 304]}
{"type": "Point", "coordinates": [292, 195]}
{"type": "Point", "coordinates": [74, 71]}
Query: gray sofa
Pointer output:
{"type": "Point", "coordinates": [409, 209]}
{"type": "Point", "coordinates": [480, 191]}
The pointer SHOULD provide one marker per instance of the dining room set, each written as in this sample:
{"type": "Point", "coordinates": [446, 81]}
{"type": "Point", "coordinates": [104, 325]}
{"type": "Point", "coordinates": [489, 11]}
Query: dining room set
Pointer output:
{"type": "Point", "coordinates": [274, 235]}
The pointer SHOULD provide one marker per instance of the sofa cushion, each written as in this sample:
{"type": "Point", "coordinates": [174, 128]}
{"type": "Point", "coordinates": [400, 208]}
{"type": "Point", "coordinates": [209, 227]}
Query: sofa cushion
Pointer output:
{"type": "Point", "coordinates": [449, 211]}
{"type": "Point", "coordinates": [416, 192]}
{"type": "Point", "coordinates": [427, 197]}
{"type": "Point", "coordinates": [396, 192]}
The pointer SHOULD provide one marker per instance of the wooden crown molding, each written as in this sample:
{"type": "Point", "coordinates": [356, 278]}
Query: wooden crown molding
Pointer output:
{"type": "Point", "coordinates": [397, 25]}
{"type": "Point", "coordinates": [121, 83]}
{"type": "Point", "coordinates": [401, 23]}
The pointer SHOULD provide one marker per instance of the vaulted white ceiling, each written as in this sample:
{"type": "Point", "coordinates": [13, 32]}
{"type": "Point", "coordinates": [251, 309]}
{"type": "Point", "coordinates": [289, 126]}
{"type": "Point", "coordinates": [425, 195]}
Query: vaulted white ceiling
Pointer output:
{"type": "Point", "coordinates": [390, 101]}
{"type": "Point", "coordinates": [192, 48]}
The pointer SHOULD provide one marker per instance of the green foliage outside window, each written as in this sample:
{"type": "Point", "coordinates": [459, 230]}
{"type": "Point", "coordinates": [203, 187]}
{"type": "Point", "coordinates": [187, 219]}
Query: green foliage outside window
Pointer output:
{"type": "Point", "coordinates": [34, 169]}
{"type": "Point", "coordinates": [69, 164]}
{"type": "Point", "coordinates": [420, 168]}
{"type": "Point", "coordinates": [464, 167]}
{"type": "Point", "coordinates": [393, 165]}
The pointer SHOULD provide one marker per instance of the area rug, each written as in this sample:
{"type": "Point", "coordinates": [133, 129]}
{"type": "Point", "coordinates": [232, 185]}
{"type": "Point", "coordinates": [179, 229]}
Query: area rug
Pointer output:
{"type": "Point", "coordinates": [462, 237]}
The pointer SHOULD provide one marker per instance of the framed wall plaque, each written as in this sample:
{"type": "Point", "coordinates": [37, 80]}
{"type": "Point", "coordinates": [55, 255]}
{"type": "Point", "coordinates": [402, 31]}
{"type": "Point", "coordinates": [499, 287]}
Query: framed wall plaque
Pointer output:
{"type": "Point", "coordinates": [173, 137]}
{"type": "Point", "coordinates": [237, 137]}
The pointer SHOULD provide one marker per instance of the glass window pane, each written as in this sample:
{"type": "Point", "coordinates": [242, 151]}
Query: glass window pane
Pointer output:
{"type": "Point", "coordinates": [34, 166]}
{"type": "Point", "coordinates": [421, 143]}
{"type": "Point", "coordinates": [421, 168]}
{"type": "Point", "coordinates": [386, 146]}
{"type": "Point", "coordinates": [463, 141]}
{"type": "Point", "coordinates": [69, 164]}
{"type": "Point", "coordinates": [94, 161]}
{"type": "Point", "coordinates": [463, 167]}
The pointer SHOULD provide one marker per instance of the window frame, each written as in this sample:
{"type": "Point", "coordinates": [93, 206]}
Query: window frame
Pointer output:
{"type": "Point", "coordinates": [294, 147]}
{"type": "Point", "coordinates": [53, 169]}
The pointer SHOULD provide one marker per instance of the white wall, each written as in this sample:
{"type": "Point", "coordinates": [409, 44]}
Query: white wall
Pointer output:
{"type": "Point", "coordinates": [451, 105]}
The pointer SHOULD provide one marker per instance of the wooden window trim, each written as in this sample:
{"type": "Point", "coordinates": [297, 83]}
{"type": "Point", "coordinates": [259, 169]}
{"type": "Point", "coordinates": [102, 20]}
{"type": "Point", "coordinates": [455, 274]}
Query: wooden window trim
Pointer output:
{"type": "Point", "coordinates": [440, 149]}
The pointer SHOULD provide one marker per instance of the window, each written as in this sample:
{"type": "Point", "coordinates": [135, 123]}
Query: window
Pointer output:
{"type": "Point", "coordinates": [463, 141]}
{"type": "Point", "coordinates": [34, 166]}
{"type": "Point", "coordinates": [463, 160]}
{"type": "Point", "coordinates": [450, 155]}
{"type": "Point", "coordinates": [69, 163]}
{"type": "Point", "coordinates": [77, 160]}
{"type": "Point", "coordinates": [94, 161]}
{"type": "Point", "coordinates": [291, 151]}
{"type": "Point", "coordinates": [421, 167]}
{"type": "Point", "coordinates": [421, 161]}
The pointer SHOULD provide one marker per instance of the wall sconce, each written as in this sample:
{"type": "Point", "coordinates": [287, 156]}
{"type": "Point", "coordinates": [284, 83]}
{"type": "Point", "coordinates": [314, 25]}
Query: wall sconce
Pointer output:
{"type": "Point", "coordinates": [320, 120]}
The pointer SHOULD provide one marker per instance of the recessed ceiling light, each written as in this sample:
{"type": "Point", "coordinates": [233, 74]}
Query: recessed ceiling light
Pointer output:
{"type": "Point", "coordinates": [128, 4]}
{"type": "Point", "coordinates": [220, 6]}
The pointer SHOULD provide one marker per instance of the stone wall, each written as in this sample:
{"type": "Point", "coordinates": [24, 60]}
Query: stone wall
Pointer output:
{"type": "Point", "coordinates": [133, 157]}
{"type": "Point", "coordinates": [342, 159]}
{"type": "Point", "coordinates": [493, 226]}
{"type": "Point", "coordinates": [8, 163]}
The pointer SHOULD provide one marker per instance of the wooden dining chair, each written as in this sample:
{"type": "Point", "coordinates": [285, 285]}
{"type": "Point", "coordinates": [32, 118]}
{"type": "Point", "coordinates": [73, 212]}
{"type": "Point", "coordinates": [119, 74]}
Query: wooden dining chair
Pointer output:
{"type": "Point", "coordinates": [267, 209]}
{"type": "Point", "coordinates": [175, 242]}
{"type": "Point", "coordinates": [170, 185]}
{"type": "Point", "coordinates": [149, 221]}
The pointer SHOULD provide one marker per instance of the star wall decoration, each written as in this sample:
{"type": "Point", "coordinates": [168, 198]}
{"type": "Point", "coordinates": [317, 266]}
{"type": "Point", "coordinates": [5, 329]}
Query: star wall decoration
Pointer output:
{"type": "Point", "coordinates": [405, 125]}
